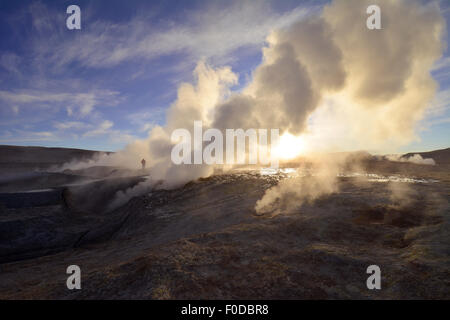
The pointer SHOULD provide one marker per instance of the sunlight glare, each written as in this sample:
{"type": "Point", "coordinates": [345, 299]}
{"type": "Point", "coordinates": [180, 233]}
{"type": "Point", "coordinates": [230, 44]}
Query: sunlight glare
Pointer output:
{"type": "Point", "coordinates": [289, 146]}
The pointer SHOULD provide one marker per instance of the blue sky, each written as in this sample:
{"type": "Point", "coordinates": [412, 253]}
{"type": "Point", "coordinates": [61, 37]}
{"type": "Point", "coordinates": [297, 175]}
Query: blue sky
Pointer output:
{"type": "Point", "coordinates": [107, 84]}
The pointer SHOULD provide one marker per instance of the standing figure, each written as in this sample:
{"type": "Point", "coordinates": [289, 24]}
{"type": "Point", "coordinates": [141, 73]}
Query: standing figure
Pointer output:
{"type": "Point", "coordinates": [143, 164]}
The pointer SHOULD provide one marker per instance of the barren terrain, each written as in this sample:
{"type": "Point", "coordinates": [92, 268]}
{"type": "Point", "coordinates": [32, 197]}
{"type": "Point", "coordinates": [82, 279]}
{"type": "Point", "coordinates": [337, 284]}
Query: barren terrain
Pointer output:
{"type": "Point", "coordinates": [206, 241]}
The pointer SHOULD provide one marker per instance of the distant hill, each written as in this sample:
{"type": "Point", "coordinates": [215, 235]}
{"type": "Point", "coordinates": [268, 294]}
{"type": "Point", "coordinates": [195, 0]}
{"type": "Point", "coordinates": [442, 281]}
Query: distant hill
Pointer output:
{"type": "Point", "coordinates": [439, 156]}
{"type": "Point", "coordinates": [19, 159]}
{"type": "Point", "coordinates": [42, 154]}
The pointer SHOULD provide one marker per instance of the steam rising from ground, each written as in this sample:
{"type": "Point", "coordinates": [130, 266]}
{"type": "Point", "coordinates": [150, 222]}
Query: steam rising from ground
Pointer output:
{"type": "Point", "coordinates": [402, 195]}
{"type": "Point", "coordinates": [291, 193]}
{"type": "Point", "coordinates": [325, 77]}
{"type": "Point", "coordinates": [417, 159]}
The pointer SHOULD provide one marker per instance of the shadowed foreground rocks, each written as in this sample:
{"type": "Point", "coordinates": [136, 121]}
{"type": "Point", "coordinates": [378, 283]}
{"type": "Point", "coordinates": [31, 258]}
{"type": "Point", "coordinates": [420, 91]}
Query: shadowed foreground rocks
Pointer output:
{"type": "Point", "coordinates": [204, 241]}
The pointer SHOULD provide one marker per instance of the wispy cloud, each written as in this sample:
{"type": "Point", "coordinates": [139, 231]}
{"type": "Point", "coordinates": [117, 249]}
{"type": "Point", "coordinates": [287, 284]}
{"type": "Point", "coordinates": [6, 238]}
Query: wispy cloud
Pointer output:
{"type": "Point", "coordinates": [214, 34]}
{"type": "Point", "coordinates": [83, 102]}
{"type": "Point", "coordinates": [442, 63]}
{"type": "Point", "coordinates": [15, 110]}
{"type": "Point", "coordinates": [103, 128]}
{"type": "Point", "coordinates": [21, 136]}
{"type": "Point", "coordinates": [440, 104]}
{"type": "Point", "coordinates": [10, 62]}
{"type": "Point", "coordinates": [146, 120]}
{"type": "Point", "coordinates": [439, 111]}
{"type": "Point", "coordinates": [67, 125]}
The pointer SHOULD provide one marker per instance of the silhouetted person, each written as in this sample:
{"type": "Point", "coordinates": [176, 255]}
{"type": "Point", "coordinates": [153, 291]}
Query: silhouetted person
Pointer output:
{"type": "Point", "coordinates": [143, 164]}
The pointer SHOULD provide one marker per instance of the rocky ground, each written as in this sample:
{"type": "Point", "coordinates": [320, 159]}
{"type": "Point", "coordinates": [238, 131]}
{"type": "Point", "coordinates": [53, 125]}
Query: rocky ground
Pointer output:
{"type": "Point", "coordinates": [205, 240]}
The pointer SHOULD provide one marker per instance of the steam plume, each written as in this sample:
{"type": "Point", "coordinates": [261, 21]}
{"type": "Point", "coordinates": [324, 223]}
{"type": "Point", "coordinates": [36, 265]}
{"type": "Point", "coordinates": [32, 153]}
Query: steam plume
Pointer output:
{"type": "Point", "coordinates": [327, 77]}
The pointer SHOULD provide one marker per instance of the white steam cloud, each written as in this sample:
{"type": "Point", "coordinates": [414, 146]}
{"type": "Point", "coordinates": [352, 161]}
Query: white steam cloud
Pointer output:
{"type": "Point", "coordinates": [326, 77]}
{"type": "Point", "coordinates": [416, 159]}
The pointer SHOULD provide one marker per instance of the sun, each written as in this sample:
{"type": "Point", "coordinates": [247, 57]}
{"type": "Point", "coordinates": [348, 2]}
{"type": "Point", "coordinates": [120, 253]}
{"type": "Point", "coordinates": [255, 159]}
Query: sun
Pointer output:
{"type": "Point", "coordinates": [289, 146]}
